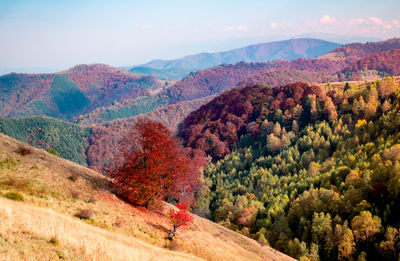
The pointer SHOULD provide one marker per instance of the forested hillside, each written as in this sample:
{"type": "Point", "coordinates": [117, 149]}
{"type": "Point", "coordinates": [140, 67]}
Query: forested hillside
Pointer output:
{"type": "Point", "coordinates": [213, 81]}
{"type": "Point", "coordinates": [312, 170]}
{"type": "Point", "coordinates": [70, 93]}
{"type": "Point", "coordinates": [373, 66]}
{"type": "Point", "coordinates": [356, 51]}
{"type": "Point", "coordinates": [284, 77]}
{"type": "Point", "coordinates": [163, 74]}
{"type": "Point", "coordinates": [96, 146]}
{"type": "Point", "coordinates": [67, 140]}
{"type": "Point", "coordinates": [225, 77]}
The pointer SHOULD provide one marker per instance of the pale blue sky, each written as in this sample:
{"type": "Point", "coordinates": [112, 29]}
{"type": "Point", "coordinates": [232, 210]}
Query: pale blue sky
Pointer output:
{"type": "Point", "coordinates": [58, 34]}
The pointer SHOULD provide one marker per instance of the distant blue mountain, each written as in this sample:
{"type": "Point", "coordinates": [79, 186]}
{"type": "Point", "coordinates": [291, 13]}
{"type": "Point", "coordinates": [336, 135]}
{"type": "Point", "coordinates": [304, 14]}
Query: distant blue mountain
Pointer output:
{"type": "Point", "coordinates": [264, 52]}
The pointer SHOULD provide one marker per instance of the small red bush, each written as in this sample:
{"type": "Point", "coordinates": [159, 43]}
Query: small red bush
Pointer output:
{"type": "Point", "coordinates": [180, 217]}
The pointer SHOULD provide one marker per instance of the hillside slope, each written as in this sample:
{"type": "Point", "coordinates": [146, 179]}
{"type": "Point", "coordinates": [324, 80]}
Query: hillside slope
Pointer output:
{"type": "Point", "coordinates": [62, 237]}
{"type": "Point", "coordinates": [55, 190]}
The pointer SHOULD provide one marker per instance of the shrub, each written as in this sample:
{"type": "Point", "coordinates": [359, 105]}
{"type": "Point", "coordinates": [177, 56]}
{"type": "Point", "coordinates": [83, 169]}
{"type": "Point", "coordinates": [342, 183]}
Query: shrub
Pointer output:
{"type": "Point", "coordinates": [8, 163]}
{"type": "Point", "coordinates": [14, 196]}
{"type": "Point", "coordinates": [180, 218]}
{"type": "Point", "coordinates": [54, 240]}
{"type": "Point", "coordinates": [34, 167]}
{"type": "Point", "coordinates": [9, 182]}
{"type": "Point", "coordinates": [91, 200]}
{"type": "Point", "coordinates": [84, 214]}
{"type": "Point", "coordinates": [53, 151]}
{"type": "Point", "coordinates": [119, 223]}
{"type": "Point", "coordinates": [23, 151]}
{"type": "Point", "coordinates": [75, 194]}
{"type": "Point", "coordinates": [73, 177]}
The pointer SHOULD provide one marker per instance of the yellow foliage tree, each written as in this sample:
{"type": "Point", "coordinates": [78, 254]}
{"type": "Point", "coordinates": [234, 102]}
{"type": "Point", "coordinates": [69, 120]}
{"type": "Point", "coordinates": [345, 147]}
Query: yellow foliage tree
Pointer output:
{"type": "Point", "coordinates": [346, 245]}
{"type": "Point", "coordinates": [365, 226]}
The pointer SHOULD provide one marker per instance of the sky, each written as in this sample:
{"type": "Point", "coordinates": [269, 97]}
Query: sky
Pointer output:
{"type": "Point", "coordinates": [51, 35]}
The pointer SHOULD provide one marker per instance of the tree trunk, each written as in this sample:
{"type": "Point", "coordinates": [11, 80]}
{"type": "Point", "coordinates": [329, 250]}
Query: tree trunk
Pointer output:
{"type": "Point", "coordinates": [172, 234]}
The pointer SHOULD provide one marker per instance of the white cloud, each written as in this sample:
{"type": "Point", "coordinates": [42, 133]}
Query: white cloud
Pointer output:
{"type": "Point", "coordinates": [144, 27]}
{"type": "Point", "coordinates": [326, 19]}
{"type": "Point", "coordinates": [229, 28]}
{"type": "Point", "coordinates": [360, 21]}
{"type": "Point", "coordinates": [273, 25]}
{"type": "Point", "coordinates": [365, 30]}
{"type": "Point", "coordinates": [357, 21]}
{"type": "Point", "coordinates": [375, 20]}
{"type": "Point", "coordinates": [240, 28]}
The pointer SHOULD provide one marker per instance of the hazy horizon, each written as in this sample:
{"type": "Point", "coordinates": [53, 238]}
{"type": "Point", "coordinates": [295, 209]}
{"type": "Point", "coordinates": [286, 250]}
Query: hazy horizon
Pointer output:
{"type": "Point", "coordinates": [50, 36]}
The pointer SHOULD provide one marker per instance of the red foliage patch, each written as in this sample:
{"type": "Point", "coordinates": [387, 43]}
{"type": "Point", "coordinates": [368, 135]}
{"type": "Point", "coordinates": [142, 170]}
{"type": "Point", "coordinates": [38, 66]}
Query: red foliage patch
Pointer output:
{"type": "Point", "coordinates": [155, 166]}
{"type": "Point", "coordinates": [218, 125]}
{"type": "Point", "coordinates": [357, 51]}
{"type": "Point", "coordinates": [386, 63]}
{"type": "Point", "coordinates": [180, 218]}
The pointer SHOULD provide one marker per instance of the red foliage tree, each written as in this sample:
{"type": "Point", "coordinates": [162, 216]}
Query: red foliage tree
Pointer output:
{"type": "Point", "coordinates": [152, 170]}
{"type": "Point", "coordinates": [186, 186]}
{"type": "Point", "coordinates": [180, 218]}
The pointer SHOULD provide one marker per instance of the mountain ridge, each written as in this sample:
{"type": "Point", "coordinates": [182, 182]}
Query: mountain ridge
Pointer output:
{"type": "Point", "coordinates": [262, 52]}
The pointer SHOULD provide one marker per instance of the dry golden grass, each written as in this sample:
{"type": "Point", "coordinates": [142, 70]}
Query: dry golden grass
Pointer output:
{"type": "Point", "coordinates": [335, 56]}
{"type": "Point", "coordinates": [54, 190]}
{"type": "Point", "coordinates": [67, 235]}
{"type": "Point", "coordinates": [355, 84]}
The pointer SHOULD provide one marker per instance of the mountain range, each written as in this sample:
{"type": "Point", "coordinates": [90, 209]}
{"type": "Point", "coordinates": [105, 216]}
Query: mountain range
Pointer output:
{"type": "Point", "coordinates": [257, 53]}
{"type": "Point", "coordinates": [105, 119]}
{"type": "Point", "coordinates": [97, 93]}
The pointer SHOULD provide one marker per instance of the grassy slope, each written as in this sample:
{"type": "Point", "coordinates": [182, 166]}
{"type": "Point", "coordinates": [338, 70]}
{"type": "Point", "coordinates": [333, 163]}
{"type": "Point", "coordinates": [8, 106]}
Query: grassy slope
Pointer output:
{"type": "Point", "coordinates": [43, 226]}
{"type": "Point", "coordinates": [62, 237]}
